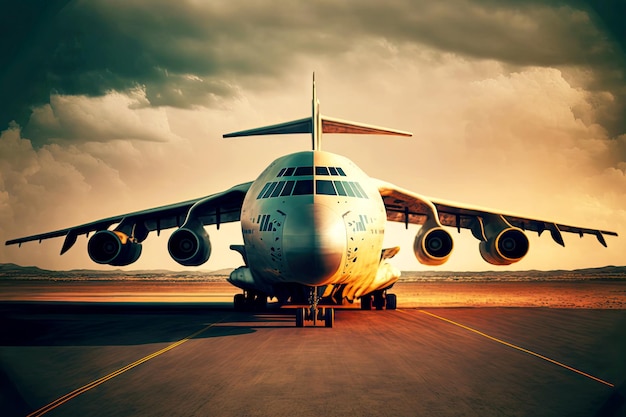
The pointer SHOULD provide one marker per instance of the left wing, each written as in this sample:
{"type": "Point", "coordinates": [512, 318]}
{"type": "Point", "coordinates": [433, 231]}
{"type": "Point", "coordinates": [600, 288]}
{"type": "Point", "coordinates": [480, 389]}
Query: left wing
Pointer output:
{"type": "Point", "coordinates": [408, 207]}
{"type": "Point", "coordinates": [217, 208]}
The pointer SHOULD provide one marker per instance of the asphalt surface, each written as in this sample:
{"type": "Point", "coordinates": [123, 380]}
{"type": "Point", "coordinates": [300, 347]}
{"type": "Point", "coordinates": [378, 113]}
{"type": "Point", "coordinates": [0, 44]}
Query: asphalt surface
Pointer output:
{"type": "Point", "coordinates": [147, 359]}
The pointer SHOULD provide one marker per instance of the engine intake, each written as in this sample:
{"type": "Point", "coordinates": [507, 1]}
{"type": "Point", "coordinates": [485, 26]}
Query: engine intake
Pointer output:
{"type": "Point", "coordinates": [433, 245]}
{"type": "Point", "coordinates": [507, 247]}
{"type": "Point", "coordinates": [190, 246]}
{"type": "Point", "coordinates": [113, 248]}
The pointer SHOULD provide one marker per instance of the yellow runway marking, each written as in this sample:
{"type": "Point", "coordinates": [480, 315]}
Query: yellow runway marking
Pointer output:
{"type": "Point", "coordinates": [54, 404]}
{"type": "Point", "coordinates": [530, 352]}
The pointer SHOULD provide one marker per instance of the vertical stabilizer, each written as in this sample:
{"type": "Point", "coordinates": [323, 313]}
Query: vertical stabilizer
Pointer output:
{"type": "Point", "coordinates": [316, 132]}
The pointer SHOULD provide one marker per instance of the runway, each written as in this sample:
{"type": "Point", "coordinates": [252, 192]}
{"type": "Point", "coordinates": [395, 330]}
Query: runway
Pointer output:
{"type": "Point", "coordinates": [174, 359]}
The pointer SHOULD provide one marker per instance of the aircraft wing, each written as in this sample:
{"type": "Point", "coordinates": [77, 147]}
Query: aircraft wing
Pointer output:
{"type": "Point", "coordinates": [217, 208]}
{"type": "Point", "coordinates": [408, 207]}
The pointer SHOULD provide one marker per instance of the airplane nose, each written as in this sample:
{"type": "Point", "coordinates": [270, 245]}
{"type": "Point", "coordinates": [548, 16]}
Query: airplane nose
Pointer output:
{"type": "Point", "coordinates": [314, 242]}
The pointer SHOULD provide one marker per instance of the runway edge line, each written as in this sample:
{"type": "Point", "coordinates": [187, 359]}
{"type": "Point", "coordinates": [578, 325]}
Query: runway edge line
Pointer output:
{"type": "Point", "coordinates": [61, 400]}
{"type": "Point", "coordinates": [521, 349]}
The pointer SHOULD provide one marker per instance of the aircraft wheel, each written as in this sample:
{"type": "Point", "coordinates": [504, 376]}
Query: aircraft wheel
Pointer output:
{"type": "Point", "coordinates": [329, 317]}
{"type": "Point", "coordinates": [379, 300]}
{"type": "Point", "coordinates": [260, 302]}
{"type": "Point", "coordinates": [366, 302]}
{"type": "Point", "coordinates": [300, 317]}
{"type": "Point", "coordinates": [239, 302]}
{"type": "Point", "coordinates": [391, 302]}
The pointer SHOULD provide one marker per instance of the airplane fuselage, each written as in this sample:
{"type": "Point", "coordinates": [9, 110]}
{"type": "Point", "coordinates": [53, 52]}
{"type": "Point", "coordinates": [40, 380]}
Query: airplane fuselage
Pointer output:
{"type": "Point", "coordinates": [313, 218]}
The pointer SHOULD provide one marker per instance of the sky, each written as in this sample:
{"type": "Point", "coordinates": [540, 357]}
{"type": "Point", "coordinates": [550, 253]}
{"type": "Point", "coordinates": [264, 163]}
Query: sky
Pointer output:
{"type": "Point", "coordinates": [110, 106]}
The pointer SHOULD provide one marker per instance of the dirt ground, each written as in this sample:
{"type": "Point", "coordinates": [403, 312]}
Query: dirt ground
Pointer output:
{"type": "Point", "coordinates": [591, 294]}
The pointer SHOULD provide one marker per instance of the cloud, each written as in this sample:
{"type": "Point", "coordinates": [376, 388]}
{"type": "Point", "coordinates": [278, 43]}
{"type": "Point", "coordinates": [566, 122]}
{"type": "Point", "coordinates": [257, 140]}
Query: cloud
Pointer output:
{"type": "Point", "coordinates": [186, 54]}
{"type": "Point", "coordinates": [121, 106]}
{"type": "Point", "coordinates": [113, 116]}
{"type": "Point", "coordinates": [49, 187]}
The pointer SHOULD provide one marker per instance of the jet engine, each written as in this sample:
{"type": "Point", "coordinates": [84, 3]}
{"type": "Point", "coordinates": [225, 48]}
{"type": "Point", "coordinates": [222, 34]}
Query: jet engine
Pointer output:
{"type": "Point", "coordinates": [189, 245]}
{"type": "Point", "coordinates": [505, 247]}
{"type": "Point", "coordinates": [113, 248]}
{"type": "Point", "coordinates": [432, 245]}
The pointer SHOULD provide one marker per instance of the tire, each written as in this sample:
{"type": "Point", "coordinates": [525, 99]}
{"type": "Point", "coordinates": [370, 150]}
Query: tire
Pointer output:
{"type": "Point", "coordinates": [391, 302]}
{"type": "Point", "coordinates": [239, 302]}
{"type": "Point", "coordinates": [300, 313]}
{"type": "Point", "coordinates": [366, 302]}
{"type": "Point", "coordinates": [260, 303]}
{"type": "Point", "coordinates": [329, 317]}
{"type": "Point", "coordinates": [379, 300]}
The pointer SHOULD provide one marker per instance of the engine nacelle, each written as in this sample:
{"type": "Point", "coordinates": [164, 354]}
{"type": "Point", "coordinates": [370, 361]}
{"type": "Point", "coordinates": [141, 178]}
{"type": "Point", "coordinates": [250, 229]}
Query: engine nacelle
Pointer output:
{"type": "Point", "coordinates": [508, 246]}
{"type": "Point", "coordinates": [190, 246]}
{"type": "Point", "coordinates": [433, 245]}
{"type": "Point", "coordinates": [113, 248]}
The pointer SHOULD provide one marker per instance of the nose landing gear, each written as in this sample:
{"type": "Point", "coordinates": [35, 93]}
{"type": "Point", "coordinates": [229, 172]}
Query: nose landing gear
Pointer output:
{"type": "Point", "coordinates": [314, 312]}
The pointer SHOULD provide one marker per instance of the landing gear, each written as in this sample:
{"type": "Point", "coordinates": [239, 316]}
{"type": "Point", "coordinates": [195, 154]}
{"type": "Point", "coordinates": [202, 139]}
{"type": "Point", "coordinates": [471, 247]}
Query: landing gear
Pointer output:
{"type": "Point", "coordinates": [250, 301]}
{"type": "Point", "coordinates": [304, 315]}
{"type": "Point", "coordinates": [300, 317]}
{"type": "Point", "coordinates": [314, 311]}
{"type": "Point", "coordinates": [329, 317]}
{"type": "Point", "coordinates": [379, 300]}
{"type": "Point", "coordinates": [366, 302]}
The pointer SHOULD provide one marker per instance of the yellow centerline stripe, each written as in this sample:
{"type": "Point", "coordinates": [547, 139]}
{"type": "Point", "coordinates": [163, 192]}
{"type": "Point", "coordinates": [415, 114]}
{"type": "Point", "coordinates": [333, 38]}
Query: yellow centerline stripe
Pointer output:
{"type": "Point", "coordinates": [530, 352]}
{"type": "Point", "coordinates": [61, 400]}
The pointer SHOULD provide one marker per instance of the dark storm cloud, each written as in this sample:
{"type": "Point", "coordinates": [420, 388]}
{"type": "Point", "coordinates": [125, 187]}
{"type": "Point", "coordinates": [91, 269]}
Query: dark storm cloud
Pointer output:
{"type": "Point", "coordinates": [185, 54]}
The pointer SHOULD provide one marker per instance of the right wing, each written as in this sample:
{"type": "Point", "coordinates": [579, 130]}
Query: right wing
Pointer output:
{"type": "Point", "coordinates": [217, 208]}
{"type": "Point", "coordinates": [408, 207]}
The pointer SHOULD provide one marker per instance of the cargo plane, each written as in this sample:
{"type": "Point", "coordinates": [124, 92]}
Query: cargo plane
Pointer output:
{"type": "Point", "coordinates": [313, 225]}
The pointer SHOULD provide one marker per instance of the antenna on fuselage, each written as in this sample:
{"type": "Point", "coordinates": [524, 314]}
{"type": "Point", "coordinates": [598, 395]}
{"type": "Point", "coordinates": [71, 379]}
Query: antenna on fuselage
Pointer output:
{"type": "Point", "coordinates": [318, 124]}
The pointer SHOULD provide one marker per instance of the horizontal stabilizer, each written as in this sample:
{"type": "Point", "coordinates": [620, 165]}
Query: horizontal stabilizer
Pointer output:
{"type": "Point", "coordinates": [295, 126]}
{"type": "Point", "coordinates": [329, 125]}
{"type": "Point", "coordinates": [318, 124]}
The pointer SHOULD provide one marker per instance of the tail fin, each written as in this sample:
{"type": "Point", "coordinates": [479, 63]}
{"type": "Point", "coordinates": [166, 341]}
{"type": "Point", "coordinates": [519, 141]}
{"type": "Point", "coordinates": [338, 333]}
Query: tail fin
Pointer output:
{"type": "Point", "coordinates": [318, 124]}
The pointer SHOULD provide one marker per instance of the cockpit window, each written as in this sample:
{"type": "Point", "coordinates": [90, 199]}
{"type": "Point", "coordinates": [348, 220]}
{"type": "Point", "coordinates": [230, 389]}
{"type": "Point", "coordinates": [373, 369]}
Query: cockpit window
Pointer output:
{"type": "Point", "coordinates": [300, 171]}
{"type": "Point", "coordinates": [306, 186]}
{"type": "Point", "coordinates": [348, 188]}
{"type": "Point", "coordinates": [288, 188]}
{"type": "Point", "coordinates": [340, 189]}
{"type": "Point", "coordinates": [324, 187]}
{"type": "Point", "coordinates": [269, 190]}
{"type": "Point", "coordinates": [321, 171]}
{"type": "Point", "coordinates": [263, 190]}
{"type": "Point", "coordinates": [278, 189]}
{"type": "Point", "coordinates": [358, 191]}
{"type": "Point", "coordinates": [303, 187]}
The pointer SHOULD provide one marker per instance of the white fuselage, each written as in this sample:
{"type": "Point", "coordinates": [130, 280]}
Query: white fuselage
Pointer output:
{"type": "Point", "coordinates": [313, 218]}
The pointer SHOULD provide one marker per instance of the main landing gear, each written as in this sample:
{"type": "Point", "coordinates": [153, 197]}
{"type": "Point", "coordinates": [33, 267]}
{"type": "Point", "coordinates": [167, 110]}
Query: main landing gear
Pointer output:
{"type": "Point", "coordinates": [314, 312]}
{"type": "Point", "coordinates": [379, 300]}
{"type": "Point", "coordinates": [250, 301]}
